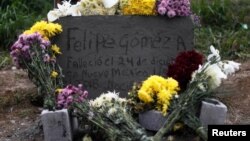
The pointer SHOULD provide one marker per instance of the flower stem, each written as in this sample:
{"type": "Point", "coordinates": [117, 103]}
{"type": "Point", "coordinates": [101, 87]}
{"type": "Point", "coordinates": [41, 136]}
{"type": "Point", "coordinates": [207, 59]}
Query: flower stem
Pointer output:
{"type": "Point", "coordinates": [172, 118]}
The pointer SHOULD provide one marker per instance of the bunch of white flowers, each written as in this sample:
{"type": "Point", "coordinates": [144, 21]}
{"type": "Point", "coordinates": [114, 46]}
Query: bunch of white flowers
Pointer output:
{"type": "Point", "coordinates": [215, 69]}
{"type": "Point", "coordinates": [64, 9]}
{"type": "Point", "coordinates": [106, 99]}
{"type": "Point", "coordinates": [83, 7]}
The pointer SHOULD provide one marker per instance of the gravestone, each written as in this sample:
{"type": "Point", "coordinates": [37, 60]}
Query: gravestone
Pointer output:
{"type": "Point", "coordinates": [107, 53]}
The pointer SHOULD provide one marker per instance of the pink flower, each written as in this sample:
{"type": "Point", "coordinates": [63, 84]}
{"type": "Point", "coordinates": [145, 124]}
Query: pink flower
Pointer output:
{"type": "Point", "coordinates": [163, 4]}
{"type": "Point", "coordinates": [171, 13]}
{"type": "Point", "coordinates": [24, 48]}
{"type": "Point", "coordinates": [71, 94]}
{"type": "Point", "coordinates": [162, 10]}
{"type": "Point", "coordinates": [174, 8]}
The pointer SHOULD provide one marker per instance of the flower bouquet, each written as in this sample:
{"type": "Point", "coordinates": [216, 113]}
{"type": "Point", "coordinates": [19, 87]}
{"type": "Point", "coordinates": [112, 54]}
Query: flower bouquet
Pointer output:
{"type": "Point", "coordinates": [176, 97]}
{"type": "Point", "coordinates": [152, 99]}
{"type": "Point", "coordinates": [168, 8]}
{"type": "Point", "coordinates": [110, 115]}
{"type": "Point", "coordinates": [182, 106]}
{"type": "Point", "coordinates": [33, 51]}
{"type": "Point", "coordinates": [203, 82]}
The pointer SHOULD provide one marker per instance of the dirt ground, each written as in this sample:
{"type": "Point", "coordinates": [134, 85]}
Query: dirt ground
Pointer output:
{"type": "Point", "coordinates": [20, 120]}
{"type": "Point", "coordinates": [235, 94]}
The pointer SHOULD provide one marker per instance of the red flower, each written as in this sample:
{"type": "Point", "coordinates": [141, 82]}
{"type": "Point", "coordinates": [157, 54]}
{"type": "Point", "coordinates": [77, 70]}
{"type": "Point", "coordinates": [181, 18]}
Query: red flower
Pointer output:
{"type": "Point", "coordinates": [183, 66]}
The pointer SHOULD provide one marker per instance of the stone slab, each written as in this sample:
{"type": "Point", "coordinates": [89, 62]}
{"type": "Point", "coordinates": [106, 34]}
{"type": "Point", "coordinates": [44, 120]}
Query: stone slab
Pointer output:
{"type": "Point", "coordinates": [107, 53]}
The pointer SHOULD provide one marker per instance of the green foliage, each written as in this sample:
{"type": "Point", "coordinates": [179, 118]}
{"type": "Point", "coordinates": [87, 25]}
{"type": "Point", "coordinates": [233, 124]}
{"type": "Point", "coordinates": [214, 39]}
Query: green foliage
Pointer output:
{"type": "Point", "coordinates": [231, 43]}
{"type": "Point", "coordinates": [215, 12]}
{"type": "Point", "coordinates": [4, 59]}
{"type": "Point", "coordinates": [241, 8]}
{"type": "Point", "coordinates": [222, 22]}
{"type": "Point", "coordinates": [16, 16]}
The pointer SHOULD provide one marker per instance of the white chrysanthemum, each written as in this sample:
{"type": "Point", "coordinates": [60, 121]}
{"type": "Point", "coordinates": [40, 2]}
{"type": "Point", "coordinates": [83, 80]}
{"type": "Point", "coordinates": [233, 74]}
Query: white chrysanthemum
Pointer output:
{"type": "Point", "coordinates": [96, 103]}
{"type": "Point", "coordinates": [106, 99]}
{"type": "Point", "coordinates": [110, 96]}
{"type": "Point", "coordinates": [229, 67]}
{"type": "Point", "coordinates": [197, 71]}
{"type": "Point", "coordinates": [54, 15]}
{"type": "Point", "coordinates": [214, 54]}
{"type": "Point", "coordinates": [216, 74]}
{"type": "Point", "coordinates": [201, 87]}
{"type": "Point", "coordinates": [64, 9]}
{"type": "Point", "coordinates": [75, 10]}
{"type": "Point", "coordinates": [109, 3]}
{"type": "Point", "coordinates": [112, 111]}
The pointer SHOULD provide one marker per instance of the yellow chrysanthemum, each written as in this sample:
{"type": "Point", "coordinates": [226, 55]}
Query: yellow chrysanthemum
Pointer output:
{"type": "Point", "coordinates": [54, 74]}
{"type": "Point", "coordinates": [139, 7]}
{"type": "Point", "coordinates": [145, 97]}
{"type": "Point", "coordinates": [46, 29]}
{"type": "Point", "coordinates": [56, 49]}
{"type": "Point", "coordinates": [163, 100]}
{"type": "Point", "coordinates": [172, 85]}
{"type": "Point", "coordinates": [159, 88]}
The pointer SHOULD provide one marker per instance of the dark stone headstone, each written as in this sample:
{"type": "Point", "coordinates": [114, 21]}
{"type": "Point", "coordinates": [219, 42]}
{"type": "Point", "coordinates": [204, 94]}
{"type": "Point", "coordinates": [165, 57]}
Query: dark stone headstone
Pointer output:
{"type": "Point", "coordinates": [107, 53]}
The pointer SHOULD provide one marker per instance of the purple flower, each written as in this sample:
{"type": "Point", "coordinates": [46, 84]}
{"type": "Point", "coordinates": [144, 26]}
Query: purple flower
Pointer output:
{"type": "Point", "coordinates": [71, 94]}
{"type": "Point", "coordinates": [171, 13]}
{"type": "Point", "coordinates": [196, 20]}
{"type": "Point", "coordinates": [24, 48]}
{"type": "Point", "coordinates": [174, 8]}
{"type": "Point", "coordinates": [162, 10]}
{"type": "Point", "coordinates": [69, 99]}
{"type": "Point", "coordinates": [164, 4]}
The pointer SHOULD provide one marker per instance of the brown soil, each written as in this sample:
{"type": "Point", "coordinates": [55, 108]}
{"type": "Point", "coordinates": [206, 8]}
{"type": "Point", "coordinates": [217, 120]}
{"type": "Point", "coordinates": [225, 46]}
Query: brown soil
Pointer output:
{"type": "Point", "coordinates": [235, 93]}
{"type": "Point", "coordinates": [19, 120]}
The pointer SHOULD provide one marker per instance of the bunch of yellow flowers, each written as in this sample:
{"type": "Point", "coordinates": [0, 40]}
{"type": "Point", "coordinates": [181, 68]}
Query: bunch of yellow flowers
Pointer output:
{"type": "Point", "coordinates": [159, 90]}
{"type": "Point", "coordinates": [46, 29]}
{"type": "Point", "coordinates": [138, 7]}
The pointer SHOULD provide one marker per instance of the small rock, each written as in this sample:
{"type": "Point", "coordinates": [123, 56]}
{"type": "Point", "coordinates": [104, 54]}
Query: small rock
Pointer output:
{"type": "Point", "coordinates": [13, 67]}
{"type": "Point", "coordinates": [12, 121]}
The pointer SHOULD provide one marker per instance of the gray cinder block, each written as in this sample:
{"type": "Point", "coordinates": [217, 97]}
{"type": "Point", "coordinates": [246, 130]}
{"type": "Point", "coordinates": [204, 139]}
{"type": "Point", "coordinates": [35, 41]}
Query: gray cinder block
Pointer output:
{"type": "Point", "coordinates": [152, 120]}
{"type": "Point", "coordinates": [213, 112]}
{"type": "Point", "coordinates": [74, 125]}
{"type": "Point", "coordinates": [56, 125]}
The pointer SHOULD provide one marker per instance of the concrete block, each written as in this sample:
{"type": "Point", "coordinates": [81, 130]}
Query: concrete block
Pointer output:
{"type": "Point", "coordinates": [213, 112]}
{"type": "Point", "coordinates": [56, 125]}
{"type": "Point", "coordinates": [152, 120]}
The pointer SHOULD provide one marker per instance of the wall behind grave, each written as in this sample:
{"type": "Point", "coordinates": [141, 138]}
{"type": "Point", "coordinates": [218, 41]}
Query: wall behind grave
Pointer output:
{"type": "Point", "coordinates": [107, 53]}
